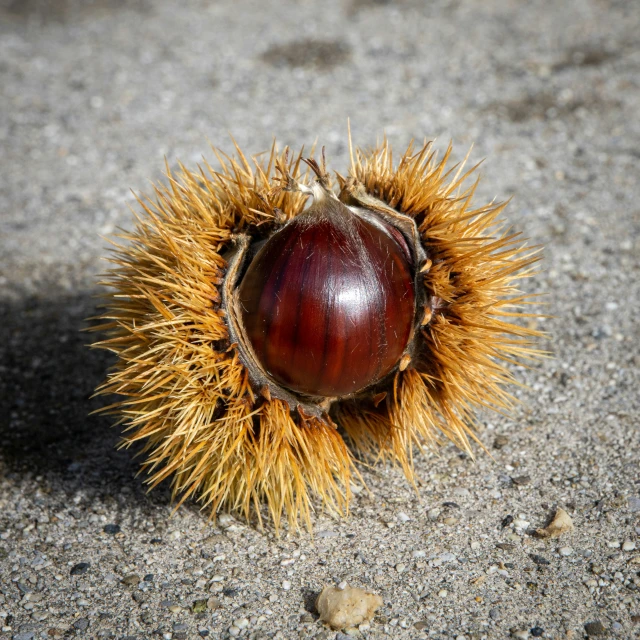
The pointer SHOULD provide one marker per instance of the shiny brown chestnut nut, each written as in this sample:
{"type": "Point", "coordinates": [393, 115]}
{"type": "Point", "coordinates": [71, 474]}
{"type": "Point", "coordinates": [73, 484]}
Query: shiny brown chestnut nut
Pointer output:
{"type": "Point", "coordinates": [328, 302]}
{"type": "Point", "coordinates": [263, 322]}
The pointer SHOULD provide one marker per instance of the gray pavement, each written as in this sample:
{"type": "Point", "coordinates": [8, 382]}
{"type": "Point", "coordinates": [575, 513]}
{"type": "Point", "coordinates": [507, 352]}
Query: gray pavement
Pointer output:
{"type": "Point", "coordinates": [95, 94]}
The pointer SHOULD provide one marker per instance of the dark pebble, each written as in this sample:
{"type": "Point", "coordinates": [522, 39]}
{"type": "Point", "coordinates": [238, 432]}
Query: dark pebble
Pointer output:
{"type": "Point", "coordinates": [155, 541]}
{"type": "Point", "coordinates": [203, 633]}
{"type": "Point", "coordinates": [180, 635]}
{"type": "Point", "coordinates": [24, 588]}
{"type": "Point", "coordinates": [635, 619]}
{"type": "Point", "coordinates": [421, 625]}
{"type": "Point", "coordinates": [506, 521]}
{"type": "Point", "coordinates": [506, 546]}
{"type": "Point", "coordinates": [494, 614]}
{"type": "Point", "coordinates": [539, 560]}
{"type": "Point", "coordinates": [230, 592]}
{"type": "Point", "coordinates": [180, 626]}
{"type": "Point", "coordinates": [81, 624]}
{"type": "Point", "coordinates": [451, 505]}
{"type": "Point", "coordinates": [521, 480]}
{"type": "Point", "coordinates": [111, 529]}
{"type": "Point", "coordinates": [500, 441]}
{"type": "Point", "coordinates": [595, 628]}
{"type": "Point", "coordinates": [537, 632]}
{"type": "Point", "coordinates": [80, 568]}
{"type": "Point", "coordinates": [148, 577]}
{"type": "Point", "coordinates": [505, 479]}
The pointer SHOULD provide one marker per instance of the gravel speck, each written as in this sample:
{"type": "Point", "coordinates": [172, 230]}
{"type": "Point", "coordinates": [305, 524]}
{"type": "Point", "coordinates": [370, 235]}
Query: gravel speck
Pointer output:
{"type": "Point", "coordinates": [538, 559]}
{"type": "Point", "coordinates": [565, 551]}
{"type": "Point", "coordinates": [80, 568]}
{"type": "Point", "coordinates": [111, 529]}
{"type": "Point", "coordinates": [595, 628]}
{"type": "Point", "coordinates": [81, 624]}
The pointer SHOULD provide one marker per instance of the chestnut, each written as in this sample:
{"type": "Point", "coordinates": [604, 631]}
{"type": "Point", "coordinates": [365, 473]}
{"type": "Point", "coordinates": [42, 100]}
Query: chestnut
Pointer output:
{"type": "Point", "coordinates": [328, 302]}
{"type": "Point", "coordinates": [267, 324]}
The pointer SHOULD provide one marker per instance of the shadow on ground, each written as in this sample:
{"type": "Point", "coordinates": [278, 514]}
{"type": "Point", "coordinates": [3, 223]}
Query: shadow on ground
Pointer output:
{"type": "Point", "coordinates": [47, 378]}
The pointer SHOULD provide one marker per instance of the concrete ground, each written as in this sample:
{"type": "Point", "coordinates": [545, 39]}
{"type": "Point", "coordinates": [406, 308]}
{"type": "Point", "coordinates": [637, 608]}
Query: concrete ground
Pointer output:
{"type": "Point", "coordinates": [95, 93]}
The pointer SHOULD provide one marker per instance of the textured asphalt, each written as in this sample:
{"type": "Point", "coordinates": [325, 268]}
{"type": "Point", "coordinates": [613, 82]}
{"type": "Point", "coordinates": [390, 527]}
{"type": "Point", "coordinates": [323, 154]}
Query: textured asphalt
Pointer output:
{"type": "Point", "coordinates": [94, 95]}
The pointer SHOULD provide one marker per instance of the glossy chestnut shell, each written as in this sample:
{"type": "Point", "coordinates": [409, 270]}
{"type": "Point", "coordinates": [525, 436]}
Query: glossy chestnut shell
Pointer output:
{"type": "Point", "coordinates": [328, 302]}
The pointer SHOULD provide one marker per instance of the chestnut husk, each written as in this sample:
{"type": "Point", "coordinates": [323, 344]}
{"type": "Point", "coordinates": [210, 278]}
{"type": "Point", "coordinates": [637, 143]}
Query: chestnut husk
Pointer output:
{"type": "Point", "coordinates": [230, 410]}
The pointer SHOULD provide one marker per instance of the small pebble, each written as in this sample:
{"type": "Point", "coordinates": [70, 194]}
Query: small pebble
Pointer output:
{"type": "Point", "coordinates": [241, 623]}
{"type": "Point", "coordinates": [450, 521]}
{"type": "Point", "coordinates": [111, 529]}
{"type": "Point", "coordinates": [403, 517]}
{"type": "Point", "coordinates": [80, 568]}
{"type": "Point", "coordinates": [539, 560]}
{"type": "Point", "coordinates": [536, 632]}
{"type": "Point", "coordinates": [400, 567]}
{"type": "Point", "coordinates": [180, 626]}
{"type": "Point", "coordinates": [175, 608]}
{"type": "Point", "coordinates": [595, 628]}
{"type": "Point", "coordinates": [520, 523]}
{"type": "Point", "coordinates": [342, 585]}
{"type": "Point", "coordinates": [500, 441]}
{"type": "Point", "coordinates": [520, 635]}
{"type": "Point", "coordinates": [565, 551]}
{"type": "Point", "coordinates": [494, 614]}
{"type": "Point", "coordinates": [286, 585]}
{"type": "Point", "coordinates": [81, 624]}
{"type": "Point", "coordinates": [234, 631]}
{"type": "Point", "coordinates": [634, 504]}
{"type": "Point", "coordinates": [443, 593]}
{"type": "Point", "coordinates": [213, 603]}
{"type": "Point", "coordinates": [628, 545]}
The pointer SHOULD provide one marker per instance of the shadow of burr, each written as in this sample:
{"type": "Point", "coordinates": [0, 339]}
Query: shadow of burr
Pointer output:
{"type": "Point", "coordinates": [47, 378]}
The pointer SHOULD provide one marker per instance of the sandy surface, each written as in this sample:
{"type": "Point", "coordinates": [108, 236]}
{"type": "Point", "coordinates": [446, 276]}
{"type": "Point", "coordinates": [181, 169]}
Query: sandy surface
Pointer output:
{"type": "Point", "coordinates": [93, 96]}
